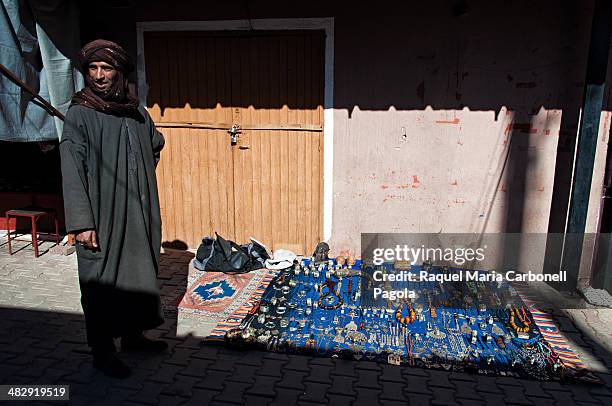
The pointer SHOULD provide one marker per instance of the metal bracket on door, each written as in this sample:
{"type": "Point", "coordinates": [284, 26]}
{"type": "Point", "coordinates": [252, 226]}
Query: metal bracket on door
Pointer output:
{"type": "Point", "coordinates": [233, 132]}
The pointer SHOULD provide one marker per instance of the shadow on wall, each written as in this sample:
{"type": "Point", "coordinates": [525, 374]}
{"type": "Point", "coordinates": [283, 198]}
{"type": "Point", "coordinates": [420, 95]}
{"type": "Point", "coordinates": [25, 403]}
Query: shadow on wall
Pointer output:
{"type": "Point", "coordinates": [404, 55]}
{"type": "Point", "coordinates": [415, 56]}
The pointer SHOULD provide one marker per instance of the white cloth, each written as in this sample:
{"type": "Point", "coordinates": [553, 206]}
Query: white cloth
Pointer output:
{"type": "Point", "coordinates": [282, 259]}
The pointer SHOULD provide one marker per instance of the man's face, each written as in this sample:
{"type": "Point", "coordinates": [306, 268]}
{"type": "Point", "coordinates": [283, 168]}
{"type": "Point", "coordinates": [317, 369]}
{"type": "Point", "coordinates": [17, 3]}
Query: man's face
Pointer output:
{"type": "Point", "coordinates": [102, 75]}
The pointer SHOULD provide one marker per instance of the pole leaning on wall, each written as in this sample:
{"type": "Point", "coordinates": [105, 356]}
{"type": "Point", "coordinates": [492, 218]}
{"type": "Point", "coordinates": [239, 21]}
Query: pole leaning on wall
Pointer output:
{"type": "Point", "coordinates": [592, 103]}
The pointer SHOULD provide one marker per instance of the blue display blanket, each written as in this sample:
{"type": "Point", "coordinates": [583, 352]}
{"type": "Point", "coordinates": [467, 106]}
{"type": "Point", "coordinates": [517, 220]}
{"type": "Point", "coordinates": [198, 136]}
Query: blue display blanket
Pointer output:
{"type": "Point", "coordinates": [462, 325]}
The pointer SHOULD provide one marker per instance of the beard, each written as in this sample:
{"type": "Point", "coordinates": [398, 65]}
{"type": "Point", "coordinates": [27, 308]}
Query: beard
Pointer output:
{"type": "Point", "coordinates": [117, 91]}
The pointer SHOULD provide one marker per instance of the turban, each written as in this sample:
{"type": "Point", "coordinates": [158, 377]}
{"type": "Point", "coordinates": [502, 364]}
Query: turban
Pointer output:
{"type": "Point", "coordinates": [106, 51]}
{"type": "Point", "coordinates": [117, 100]}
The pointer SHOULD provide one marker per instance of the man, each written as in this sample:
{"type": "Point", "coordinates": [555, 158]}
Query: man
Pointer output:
{"type": "Point", "coordinates": [109, 152]}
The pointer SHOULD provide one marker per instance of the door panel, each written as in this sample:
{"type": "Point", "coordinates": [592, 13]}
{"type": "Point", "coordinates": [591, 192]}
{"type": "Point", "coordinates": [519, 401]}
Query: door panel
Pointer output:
{"type": "Point", "coordinates": [268, 185]}
{"type": "Point", "coordinates": [277, 198]}
{"type": "Point", "coordinates": [196, 195]}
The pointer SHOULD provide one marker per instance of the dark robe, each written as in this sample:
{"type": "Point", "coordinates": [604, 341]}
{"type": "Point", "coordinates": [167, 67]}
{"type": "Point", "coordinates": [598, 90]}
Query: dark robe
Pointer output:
{"type": "Point", "coordinates": [109, 184]}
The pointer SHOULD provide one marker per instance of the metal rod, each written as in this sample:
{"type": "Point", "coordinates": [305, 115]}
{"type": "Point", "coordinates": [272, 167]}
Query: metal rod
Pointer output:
{"type": "Point", "coordinates": [47, 106]}
{"type": "Point", "coordinates": [222, 126]}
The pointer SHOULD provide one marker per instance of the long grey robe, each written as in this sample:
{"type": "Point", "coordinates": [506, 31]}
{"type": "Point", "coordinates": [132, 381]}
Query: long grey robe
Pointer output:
{"type": "Point", "coordinates": [109, 184]}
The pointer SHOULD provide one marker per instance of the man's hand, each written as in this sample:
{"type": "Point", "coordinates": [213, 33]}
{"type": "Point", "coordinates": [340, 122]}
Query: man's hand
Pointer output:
{"type": "Point", "coordinates": [88, 239]}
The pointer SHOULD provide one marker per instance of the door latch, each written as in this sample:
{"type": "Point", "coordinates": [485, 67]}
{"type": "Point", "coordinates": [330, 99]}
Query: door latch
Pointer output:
{"type": "Point", "coordinates": [233, 132]}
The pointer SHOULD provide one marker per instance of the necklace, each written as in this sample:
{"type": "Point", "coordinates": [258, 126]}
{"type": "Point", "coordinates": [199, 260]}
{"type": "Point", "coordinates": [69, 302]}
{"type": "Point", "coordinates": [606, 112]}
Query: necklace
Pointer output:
{"type": "Point", "coordinates": [409, 350]}
{"type": "Point", "coordinates": [525, 328]}
{"type": "Point", "coordinates": [407, 319]}
{"type": "Point", "coordinates": [326, 301]}
{"type": "Point", "coordinates": [432, 309]}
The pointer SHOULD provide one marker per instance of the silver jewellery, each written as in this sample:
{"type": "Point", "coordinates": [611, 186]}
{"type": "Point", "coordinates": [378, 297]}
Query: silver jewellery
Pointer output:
{"type": "Point", "coordinates": [497, 330]}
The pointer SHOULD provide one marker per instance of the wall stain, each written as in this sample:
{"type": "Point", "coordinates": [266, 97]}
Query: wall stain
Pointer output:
{"type": "Point", "coordinates": [456, 120]}
{"type": "Point", "coordinates": [393, 197]}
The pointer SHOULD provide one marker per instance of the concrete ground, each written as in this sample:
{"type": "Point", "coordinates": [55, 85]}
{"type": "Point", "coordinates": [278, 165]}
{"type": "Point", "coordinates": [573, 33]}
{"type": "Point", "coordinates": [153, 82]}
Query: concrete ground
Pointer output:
{"type": "Point", "coordinates": [43, 342]}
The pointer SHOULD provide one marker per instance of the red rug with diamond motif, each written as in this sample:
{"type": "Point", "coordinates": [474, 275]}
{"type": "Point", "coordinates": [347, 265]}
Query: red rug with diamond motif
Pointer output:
{"type": "Point", "coordinates": [221, 300]}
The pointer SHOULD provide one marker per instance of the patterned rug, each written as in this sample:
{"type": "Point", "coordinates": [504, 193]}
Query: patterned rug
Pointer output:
{"type": "Point", "coordinates": [551, 334]}
{"type": "Point", "coordinates": [223, 300]}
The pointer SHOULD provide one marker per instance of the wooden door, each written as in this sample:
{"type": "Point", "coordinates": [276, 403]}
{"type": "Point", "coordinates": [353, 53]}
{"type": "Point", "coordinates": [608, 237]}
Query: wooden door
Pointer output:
{"type": "Point", "coordinates": [268, 185]}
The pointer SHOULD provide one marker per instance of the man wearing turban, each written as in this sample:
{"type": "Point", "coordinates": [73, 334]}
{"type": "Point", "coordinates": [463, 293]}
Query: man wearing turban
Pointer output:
{"type": "Point", "coordinates": [109, 151]}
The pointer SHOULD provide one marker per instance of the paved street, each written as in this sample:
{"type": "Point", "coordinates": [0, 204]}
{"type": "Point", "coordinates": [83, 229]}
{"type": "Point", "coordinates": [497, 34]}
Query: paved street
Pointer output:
{"type": "Point", "coordinates": [43, 342]}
